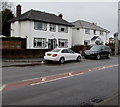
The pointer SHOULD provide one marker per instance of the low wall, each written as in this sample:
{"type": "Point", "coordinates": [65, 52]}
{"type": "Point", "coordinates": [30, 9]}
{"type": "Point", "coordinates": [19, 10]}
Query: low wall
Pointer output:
{"type": "Point", "coordinates": [23, 53]}
{"type": "Point", "coordinates": [10, 44]}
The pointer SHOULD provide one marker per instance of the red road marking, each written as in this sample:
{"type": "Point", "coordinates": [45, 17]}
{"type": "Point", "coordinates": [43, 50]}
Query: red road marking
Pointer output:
{"type": "Point", "coordinates": [21, 84]}
{"type": "Point", "coordinates": [57, 76]}
{"type": "Point", "coordinates": [50, 78]}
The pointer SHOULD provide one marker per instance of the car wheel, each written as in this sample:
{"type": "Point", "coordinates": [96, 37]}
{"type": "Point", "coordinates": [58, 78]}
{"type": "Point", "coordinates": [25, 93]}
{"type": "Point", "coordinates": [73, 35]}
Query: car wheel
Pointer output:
{"type": "Point", "coordinates": [108, 56]}
{"type": "Point", "coordinates": [85, 57]}
{"type": "Point", "coordinates": [62, 60]}
{"type": "Point", "coordinates": [78, 59]}
{"type": "Point", "coordinates": [98, 56]}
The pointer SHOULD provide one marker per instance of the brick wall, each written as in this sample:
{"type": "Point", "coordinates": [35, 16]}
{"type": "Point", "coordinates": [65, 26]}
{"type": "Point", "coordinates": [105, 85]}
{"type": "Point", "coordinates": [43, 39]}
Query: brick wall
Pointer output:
{"type": "Point", "coordinates": [23, 53]}
{"type": "Point", "coordinates": [10, 44]}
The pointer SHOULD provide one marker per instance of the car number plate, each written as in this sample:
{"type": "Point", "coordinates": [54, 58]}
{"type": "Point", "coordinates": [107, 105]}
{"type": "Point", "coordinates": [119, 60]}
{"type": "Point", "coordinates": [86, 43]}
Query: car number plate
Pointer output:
{"type": "Point", "coordinates": [88, 54]}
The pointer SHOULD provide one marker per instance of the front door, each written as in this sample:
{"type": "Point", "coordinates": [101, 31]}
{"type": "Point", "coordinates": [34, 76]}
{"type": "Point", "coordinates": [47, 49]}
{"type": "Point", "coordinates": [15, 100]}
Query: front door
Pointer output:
{"type": "Point", "coordinates": [52, 43]}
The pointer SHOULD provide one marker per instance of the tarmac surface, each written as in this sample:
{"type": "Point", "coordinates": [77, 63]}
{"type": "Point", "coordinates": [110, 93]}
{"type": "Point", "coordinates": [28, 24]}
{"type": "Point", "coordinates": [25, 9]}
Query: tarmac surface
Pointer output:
{"type": "Point", "coordinates": [112, 100]}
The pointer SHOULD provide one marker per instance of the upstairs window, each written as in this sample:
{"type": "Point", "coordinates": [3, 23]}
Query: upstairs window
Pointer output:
{"type": "Point", "coordinates": [94, 32]}
{"type": "Point", "coordinates": [101, 33]}
{"type": "Point", "coordinates": [40, 26]}
{"type": "Point", "coordinates": [52, 27]}
{"type": "Point", "coordinates": [62, 29]}
{"type": "Point", "coordinates": [87, 31]}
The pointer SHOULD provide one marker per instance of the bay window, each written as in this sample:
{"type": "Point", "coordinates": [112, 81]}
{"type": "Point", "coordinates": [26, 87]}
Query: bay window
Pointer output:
{"type": "Point", "coordinates": [63, 43]}
{"type": "Point", "coordinates": [40, 42]}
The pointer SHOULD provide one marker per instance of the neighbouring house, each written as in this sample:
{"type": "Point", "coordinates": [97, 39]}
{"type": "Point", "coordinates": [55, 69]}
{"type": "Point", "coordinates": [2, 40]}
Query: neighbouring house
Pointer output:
{"type": "Point", "coordinates": [42, 30]}
{"type": "Point", "coordinates": [86, 33]}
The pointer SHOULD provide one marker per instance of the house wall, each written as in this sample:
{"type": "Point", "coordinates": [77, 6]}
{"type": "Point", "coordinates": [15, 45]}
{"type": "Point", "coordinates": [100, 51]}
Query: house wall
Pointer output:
{"type": "Point", "coordinates": [79, 37]}
{"type": "Point", "coordinates": [25, 29]}
{"type": "Point", "coordinates": [19, 29]}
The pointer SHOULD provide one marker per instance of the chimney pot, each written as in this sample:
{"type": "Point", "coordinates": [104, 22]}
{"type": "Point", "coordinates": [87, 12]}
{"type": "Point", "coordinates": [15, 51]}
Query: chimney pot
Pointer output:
{"type": "Point", "coordinates": [60, 15]}
{"type": "Point", "coordinates": [18, 10]}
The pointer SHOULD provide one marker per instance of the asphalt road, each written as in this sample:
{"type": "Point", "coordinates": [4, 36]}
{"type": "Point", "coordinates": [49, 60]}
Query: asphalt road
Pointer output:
{"type": "Point", "coordinates": [72, 83]}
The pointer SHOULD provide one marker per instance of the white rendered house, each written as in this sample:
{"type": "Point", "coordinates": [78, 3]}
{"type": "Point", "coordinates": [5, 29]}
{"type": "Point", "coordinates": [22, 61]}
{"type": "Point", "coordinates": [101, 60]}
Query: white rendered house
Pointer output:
{"type": "Point", "coordinates": [42, 30]}
{"type": "Point", "coordinates": [86, 33]}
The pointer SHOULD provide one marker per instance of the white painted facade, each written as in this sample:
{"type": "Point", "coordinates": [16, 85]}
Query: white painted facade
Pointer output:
{"type": "Point", "coordinates": [25, 29]}
{"type": "Point", "coordinates": [79, 37]}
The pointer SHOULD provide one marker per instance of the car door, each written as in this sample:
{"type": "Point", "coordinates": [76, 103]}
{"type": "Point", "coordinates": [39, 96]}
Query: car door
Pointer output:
{"type": "Point", "coordinates": [65, 53]}
{"type": "Point", "coordinates": [107, 50]}
{"type": "Point", "coordinates": [72, 54]}
{"type": "Point", "coordinates": [102, 51]}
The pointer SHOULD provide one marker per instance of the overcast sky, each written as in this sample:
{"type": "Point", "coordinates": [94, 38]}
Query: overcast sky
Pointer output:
{"type": "Point", "coordinates": [105, 14]}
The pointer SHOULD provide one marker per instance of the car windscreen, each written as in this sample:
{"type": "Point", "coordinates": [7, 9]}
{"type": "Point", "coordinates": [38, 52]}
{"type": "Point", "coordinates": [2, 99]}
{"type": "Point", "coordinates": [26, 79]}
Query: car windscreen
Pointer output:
{"type": "Point", "coordinates": [55, 50]}
{"type": "Point", "coordinates": [96, 48]}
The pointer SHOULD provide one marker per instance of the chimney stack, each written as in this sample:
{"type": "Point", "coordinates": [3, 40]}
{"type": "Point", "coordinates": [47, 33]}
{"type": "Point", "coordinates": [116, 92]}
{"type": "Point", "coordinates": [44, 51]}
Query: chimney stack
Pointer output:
{"type": "Point", "coordinates": [60, 15]}
{"type": "Point", "coordinates": [18, 10]}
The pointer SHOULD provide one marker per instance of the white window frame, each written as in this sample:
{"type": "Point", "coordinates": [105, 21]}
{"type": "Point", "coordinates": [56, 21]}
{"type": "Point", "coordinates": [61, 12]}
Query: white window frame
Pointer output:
{"type": "Point", "coordinates": [40, 26]}
{"type": "Point", "coordinates": [94, 32]}
{"type": "Point", "coordinates": [62, 28]}
{"type": "Point", "coordinates": [63, 41]}
{"type": "Point", "coordinates": [42, 44]}
{"type": "Point", "coordinates": [52, 27]}
{"type": "Point", "coordinates": [101, 33]}
{"type": "Point", "coordinates": [87, 31]}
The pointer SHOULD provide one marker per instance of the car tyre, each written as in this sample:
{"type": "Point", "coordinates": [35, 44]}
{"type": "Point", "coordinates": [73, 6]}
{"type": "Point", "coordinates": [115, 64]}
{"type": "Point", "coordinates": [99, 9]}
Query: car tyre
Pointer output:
{"type": "Point", "coordinates": [85, 57]}
{"type": "Point", "coordinates": [78, 59]}
{"type": "Point", "coordinates": [108, 56]}
{"type": "Point", "coordinates": [62, 60]}
{"type": "Point", "coordinates": [98, 57]}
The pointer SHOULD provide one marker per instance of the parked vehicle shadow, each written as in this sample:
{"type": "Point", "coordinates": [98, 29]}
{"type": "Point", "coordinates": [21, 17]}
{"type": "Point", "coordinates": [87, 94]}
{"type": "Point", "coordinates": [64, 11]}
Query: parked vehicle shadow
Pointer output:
{"type": "Point", "coordinates": [58, 63]}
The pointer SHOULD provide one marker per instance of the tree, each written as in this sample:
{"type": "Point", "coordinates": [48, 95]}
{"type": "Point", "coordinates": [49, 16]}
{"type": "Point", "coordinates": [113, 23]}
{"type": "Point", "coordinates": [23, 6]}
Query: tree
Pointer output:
{"type": "Point", "coordinates": [6, 5]}
{"type": "Point", "coordinates": [7, 15]}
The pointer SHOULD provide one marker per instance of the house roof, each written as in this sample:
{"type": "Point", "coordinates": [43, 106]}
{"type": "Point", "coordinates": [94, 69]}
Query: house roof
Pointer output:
{"type": "Point", "coordinates": [41, 16]}
{"type": "Point", "coordinates": [85, 24]}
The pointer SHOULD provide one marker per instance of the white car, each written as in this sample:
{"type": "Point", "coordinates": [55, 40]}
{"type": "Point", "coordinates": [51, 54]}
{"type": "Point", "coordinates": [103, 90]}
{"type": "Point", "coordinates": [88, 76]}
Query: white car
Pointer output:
{"type": "Point", "coordinates": [61, 55]}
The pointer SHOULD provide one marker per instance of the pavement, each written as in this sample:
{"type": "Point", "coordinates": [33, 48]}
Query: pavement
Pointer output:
{"type": "Point", "coordinates": [112, 100]}
{"type": "Point", "coordinates": [23, 60]}
{"type": "Point", "coordinates": [12, 62]}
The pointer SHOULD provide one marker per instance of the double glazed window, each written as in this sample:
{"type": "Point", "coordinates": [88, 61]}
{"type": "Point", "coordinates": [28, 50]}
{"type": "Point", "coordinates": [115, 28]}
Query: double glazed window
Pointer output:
{"type": "Point", "coordinates": [101, 33]}
{"type": "Point", "coordinates": [63, 43]}
{"type": "Point", "coordinates": [40, 26]}
{"type": "Point", "coordinates": [62, 29]}
{"type": "Point", "coordinates": [94, 32]}
{"type": "Point", "coordinates": [39, 42]}
{"type": "Point", "coordinates": [52, 27]}
{"type": "Point", "coordinates": [87, 31]}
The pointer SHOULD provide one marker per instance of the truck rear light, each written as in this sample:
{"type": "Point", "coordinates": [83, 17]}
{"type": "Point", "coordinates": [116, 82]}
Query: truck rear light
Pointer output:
{"type": "Point", "coordinates": [54, 55]}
